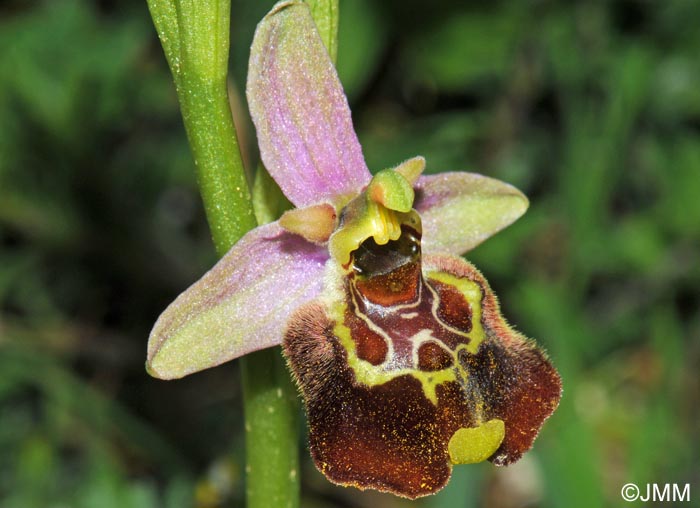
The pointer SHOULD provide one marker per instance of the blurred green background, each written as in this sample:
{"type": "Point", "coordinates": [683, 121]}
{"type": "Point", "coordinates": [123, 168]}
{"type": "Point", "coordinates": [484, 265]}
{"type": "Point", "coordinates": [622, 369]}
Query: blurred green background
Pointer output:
{"type": "Point", "coordinates": [591, 108]}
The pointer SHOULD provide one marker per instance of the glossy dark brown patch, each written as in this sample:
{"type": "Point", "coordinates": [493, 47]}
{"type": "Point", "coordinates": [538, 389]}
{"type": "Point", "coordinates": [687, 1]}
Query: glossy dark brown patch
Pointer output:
{"type": "Point", "coordinates": [394, 288]}
{"type": "Point", "coordinates": [372, 259]}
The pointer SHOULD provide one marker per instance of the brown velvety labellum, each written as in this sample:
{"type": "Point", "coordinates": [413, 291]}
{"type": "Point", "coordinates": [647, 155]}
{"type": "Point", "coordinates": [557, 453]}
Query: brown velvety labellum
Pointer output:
{"type": "Point", "coordinates": [433, 357]}
{"type": "Point", "coordinates": [522, 388]}
{"type": "Point", "coordinates": [454, 308]}
{"type": "Point", "coordinates": [388, 437]}
{"type": "Point", "coordinates": [516, 378]}
{"type": "Point", "coordinates": [371, 347]}
{"type": "Point", "coordinates": [417, 351]}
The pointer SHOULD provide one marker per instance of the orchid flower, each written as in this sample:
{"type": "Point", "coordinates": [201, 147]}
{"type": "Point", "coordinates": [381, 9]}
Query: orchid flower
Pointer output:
{"type": "Point", "coordinates": [397, 345]}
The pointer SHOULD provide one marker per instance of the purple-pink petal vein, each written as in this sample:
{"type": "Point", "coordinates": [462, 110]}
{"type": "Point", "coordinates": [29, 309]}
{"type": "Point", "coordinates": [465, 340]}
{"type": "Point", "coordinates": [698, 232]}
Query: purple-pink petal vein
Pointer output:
{"type": "Point", "coordinates": [241, 305]}
{"type": "Point", "coordinates": [302, 117]}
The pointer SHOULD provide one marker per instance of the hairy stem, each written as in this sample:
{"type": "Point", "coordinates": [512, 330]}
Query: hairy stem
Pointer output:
{"type": "Point", "coordinates": [195, 37]}
{"type": "Point", "coordinates": [271, 423]}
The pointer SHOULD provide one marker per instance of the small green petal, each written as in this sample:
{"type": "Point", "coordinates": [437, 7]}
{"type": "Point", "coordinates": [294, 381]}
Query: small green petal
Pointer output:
{"type": "Point", "coordinates": [377, 213]}
{"type": "Point", "coordinates": [316, 223]}
{"type": "Point", "coordinates": [391, 189]}
{"type": "Point", "coordinates": [411, 169]}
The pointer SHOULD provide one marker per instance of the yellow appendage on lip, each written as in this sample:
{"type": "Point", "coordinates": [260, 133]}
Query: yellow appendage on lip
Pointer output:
{"type": "Point", "coordinates": [476, 444]}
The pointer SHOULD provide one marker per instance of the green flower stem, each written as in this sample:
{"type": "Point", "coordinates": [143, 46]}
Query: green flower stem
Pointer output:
{"type": "Point", "coordinates": [271, 407]}
{"type": "Point", "coordinates": [195, 37]}
{"type": "Point", "coordinates": [271, 425]}
{"type": "Point", "coordinates": [325, 14]}
{"type": "Point", "coordinates": [270, 400]}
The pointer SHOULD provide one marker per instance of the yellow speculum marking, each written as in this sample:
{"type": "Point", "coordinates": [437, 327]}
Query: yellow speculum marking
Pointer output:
{"type": "Point", "coordinates": [373, 375]}
{"type": "Point", "coordinates": [472, 292]}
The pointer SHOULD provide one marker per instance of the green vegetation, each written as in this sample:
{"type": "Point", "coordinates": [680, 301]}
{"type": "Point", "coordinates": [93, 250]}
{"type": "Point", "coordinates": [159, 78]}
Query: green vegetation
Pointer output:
{"type": "Point", "coordinates": [592, 109]}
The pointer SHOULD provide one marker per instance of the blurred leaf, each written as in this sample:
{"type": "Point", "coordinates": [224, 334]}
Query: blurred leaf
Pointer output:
{"type": "Point", "coordinates": [466, 47]}
{"type": "Point", "coordinates": [361, 43]}
{"type": "Point", "coordinates": [62, 67]}
{"type": "Point", "coordinates": [441, 139]}
{"type": "Point", "coordinates": [680, 207]}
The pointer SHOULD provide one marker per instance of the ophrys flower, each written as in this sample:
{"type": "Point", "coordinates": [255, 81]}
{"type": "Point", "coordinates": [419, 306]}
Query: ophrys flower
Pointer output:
{"type": "Point", "coordinates": [404, 361]}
